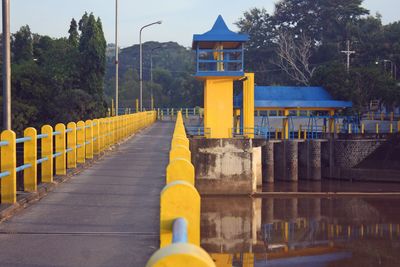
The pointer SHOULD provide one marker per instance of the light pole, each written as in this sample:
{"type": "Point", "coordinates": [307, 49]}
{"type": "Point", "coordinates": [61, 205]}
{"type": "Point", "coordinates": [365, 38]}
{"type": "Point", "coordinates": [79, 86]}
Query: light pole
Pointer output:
{"type": "Point", "coordinates": [116, 57]}
{"type": "Point", "coordinates": [141, 61]}
{"type": "Point", "coordinates": [6, 66]}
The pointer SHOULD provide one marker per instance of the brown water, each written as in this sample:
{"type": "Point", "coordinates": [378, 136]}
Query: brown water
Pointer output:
{"type": "Point", "coordinates": [306, 231]}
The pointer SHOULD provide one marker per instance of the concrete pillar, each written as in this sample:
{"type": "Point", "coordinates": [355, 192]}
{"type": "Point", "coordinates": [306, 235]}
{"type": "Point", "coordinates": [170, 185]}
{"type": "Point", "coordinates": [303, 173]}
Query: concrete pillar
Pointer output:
{"type": "Point", "coordinates": [268, 162]}
{"type": "Point", "coordinates": [267, 210]}
{"type": "Point", "coordinates": [310, 160]}
{"type": "Point", "coordinates": [286, 161]}
{"type": "Point", "coordinates": [314, 160]}
{"type": "Point", "coordinates": [292, 159]}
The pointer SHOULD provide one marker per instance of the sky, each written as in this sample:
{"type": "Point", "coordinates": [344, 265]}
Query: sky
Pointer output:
{"type": "Point", "coordinates": [180, 18]}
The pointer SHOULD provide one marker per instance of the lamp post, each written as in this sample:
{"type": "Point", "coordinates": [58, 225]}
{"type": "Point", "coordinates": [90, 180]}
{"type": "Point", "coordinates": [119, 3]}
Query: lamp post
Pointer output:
{"type": "Point", "coordinates": [6, 66]}
{"type": "Point", "coordinates": [141, 61]}
{"type": "Point", "coordinates": [116, 57]}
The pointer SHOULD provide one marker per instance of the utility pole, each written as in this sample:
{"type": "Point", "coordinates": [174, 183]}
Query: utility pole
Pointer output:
{"type": "Point", "coordinates": [116, 58]}
{"type": "Point", "coordinates": [6, 66]}
{"type": "Point", "coordinates": [348, 53]}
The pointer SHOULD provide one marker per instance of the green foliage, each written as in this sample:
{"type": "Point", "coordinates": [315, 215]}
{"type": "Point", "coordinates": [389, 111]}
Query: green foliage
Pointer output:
{"type": "Point", "coordinates": [58, 80]}
{"type": "Point", "coordinates": [329, 23]}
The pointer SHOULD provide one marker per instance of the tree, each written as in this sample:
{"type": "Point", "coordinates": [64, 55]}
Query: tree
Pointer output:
{"type": "Point", "coordinates": [294, 57]}
{"type": "Point", "coordinates": [22, 45]}
{"type": "Point", "coordinates": [73, 38]}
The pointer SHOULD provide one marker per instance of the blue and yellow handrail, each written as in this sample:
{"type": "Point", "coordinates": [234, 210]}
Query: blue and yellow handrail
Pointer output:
{"type": "Point", "coordinates": [62, 147]}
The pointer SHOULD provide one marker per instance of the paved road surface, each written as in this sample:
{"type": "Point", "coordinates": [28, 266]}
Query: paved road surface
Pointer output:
{"type": "Point", "coordinates": [106, 216]}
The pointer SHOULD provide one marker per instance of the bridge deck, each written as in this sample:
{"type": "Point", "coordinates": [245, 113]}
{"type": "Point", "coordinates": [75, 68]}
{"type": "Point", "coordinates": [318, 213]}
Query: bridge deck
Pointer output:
{"type": "Point", "coordinates": [106, 216]}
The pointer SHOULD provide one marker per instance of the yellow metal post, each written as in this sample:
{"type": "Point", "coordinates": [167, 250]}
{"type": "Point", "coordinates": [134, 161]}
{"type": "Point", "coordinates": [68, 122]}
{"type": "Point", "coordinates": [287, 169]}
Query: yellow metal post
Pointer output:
{"type": "Point", "coordinates": [248, 104]}
{"type": "Point", "coordinates": [331, 121]}
{"type": "Point", "coordinates": [137, 105]}
{"type": "Point", "coordinates": [9, 164]}
{"type": "Point", "coordinates": [362, 128]}
{"type": "Point", "coordinates": [179, 199]}
{"type": "Point", "coordinates": [71, 144]}
{"type": "Point", "coordinates": [61, 168]}
{"type": "Point", "coordinates": [112, 108]}
{"type": "Point", "coordinates": [30, 157]}
{"type": "Point", "coordinates": [391, 128]}
{"type": "Point", "coordinates": [377, 128]}
{"type": "Point", "coordinates": [89, 139]}
{"type": "Point", "coordinates": [47, 152]}
{"type": "Point", "coordinates": [80, 136]}
{"type": "Point", "coordinates": [285, 125]}
{"type": "Point", "coordinates": [96, 136]}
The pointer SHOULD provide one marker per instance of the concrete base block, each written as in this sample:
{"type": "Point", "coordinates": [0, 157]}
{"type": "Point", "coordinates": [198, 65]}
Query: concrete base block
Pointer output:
{"type": "Point", "coordinates": [286, 161]}
{"type": "Point", "coordinates": [268, 162]}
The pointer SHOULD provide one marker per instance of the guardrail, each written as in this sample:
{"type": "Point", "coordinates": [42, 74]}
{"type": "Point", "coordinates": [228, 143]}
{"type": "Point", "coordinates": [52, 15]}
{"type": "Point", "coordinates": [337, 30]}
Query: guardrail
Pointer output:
{"type": "Point", "coordinates": [172, 112]}
{"type": "Point", "coordinates": [180, 210]}
{"type": "Point", "coordinates": [61, 148]}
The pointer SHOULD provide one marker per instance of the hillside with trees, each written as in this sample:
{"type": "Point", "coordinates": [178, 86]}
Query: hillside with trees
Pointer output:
{"type": "Point", "coordinates": [173, 82]}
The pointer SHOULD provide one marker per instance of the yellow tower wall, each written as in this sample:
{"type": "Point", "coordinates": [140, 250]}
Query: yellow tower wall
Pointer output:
{"type": "Point", "coordinates": [218, 106]}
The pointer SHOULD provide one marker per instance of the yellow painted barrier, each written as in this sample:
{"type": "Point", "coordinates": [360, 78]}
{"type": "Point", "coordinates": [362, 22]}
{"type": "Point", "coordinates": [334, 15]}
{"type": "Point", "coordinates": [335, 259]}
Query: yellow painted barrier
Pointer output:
{"type": "Point", "coordinates": [80, 140]}
{"type": "Point", "coordinates": [88, 139]}
{"type": "Point", "coordinates": [60, 142]}
{"type": "Point", "coordinates": [96, 137]}
{"type": "Point", "coordinates": [180, 169]}
{"type": "Point", "coordinates": [181, 254]}
{"type": "Point", "coordinates": [179, 199]}
{"type": "Point", "coordinates": [180, 141]}
{"type": "Point", "coordinates": [30, 157]}
{"type": "Point", "coordinates": [8, 164]}
{"type": "Point", "coordinates": [47, 153]}
{"type": "Point", "coordinates": [71, 144]}
{"type": "Point", "coordinates": [180, 152]}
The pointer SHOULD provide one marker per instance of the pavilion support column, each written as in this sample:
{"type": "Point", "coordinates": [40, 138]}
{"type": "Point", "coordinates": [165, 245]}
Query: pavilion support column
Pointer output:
{"type": "Point", "coordinates": [285, 125]}
{"type": "Point", "coordinates": [331, 122]}
{"type": "Point", "coordinates": [248, 105]}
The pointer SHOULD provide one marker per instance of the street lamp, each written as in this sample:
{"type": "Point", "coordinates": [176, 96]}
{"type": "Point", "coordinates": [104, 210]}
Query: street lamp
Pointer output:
{"type": "Point", "coordinates": [141, 61]}
{"type": "Point", "coordinates": [116, 57]}
{"type": "Point", "coordinates": [6, 66]}
{"type": "Point", "coordinates": [151, 73]}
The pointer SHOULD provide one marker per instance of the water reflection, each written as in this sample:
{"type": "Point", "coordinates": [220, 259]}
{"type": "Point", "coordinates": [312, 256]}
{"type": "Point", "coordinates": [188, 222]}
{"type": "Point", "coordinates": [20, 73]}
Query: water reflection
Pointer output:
{"type": "Point", "coordinates": [244, 231]}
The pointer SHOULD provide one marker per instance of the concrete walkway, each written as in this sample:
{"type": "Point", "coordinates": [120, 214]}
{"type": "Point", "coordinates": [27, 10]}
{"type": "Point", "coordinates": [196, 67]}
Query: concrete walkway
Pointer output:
{"type": "Point", "coordinates": [106, 216]}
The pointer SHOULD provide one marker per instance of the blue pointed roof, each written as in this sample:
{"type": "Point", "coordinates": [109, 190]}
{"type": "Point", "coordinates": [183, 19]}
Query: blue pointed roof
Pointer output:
{"type": "Point", "coordinates": [219, 33]}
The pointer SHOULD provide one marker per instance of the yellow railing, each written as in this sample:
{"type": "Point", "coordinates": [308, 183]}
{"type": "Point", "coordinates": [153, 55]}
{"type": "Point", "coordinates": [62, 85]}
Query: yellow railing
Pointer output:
{"type": "Point", "coordinates": [180, 210]}
{"type": "Point", "coordinates": [61, 148]}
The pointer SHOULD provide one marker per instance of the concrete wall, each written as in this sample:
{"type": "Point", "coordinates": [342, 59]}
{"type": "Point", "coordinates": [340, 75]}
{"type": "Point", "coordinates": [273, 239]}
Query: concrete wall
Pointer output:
{"type": "Point", "coordinates": [224, 166]}
{"type": "Point", "coordinates": [349, 153]}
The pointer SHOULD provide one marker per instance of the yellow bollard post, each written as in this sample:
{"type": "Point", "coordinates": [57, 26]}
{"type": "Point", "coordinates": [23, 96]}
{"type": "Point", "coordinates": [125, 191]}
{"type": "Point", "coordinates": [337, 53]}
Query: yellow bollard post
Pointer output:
{"type": "Point", "coordinates": [305, 134]}
{"type": "Point", "coordinates": [96, 136]}
{"type": "Point", "coordinates": [179, 199]}
{"type": "Point", "coordinates": [179, 152]}
{"type": "Point", "coordinates": [377, 128]}
{"type": "Point", "coordinates": [80, 139]}
{"type": "Point", "coordinates": [362, 128]}
{"type": "Point", "coordinates": [391, 128]}
{"type": "Point", "coordinates": [47, 153]}
{"type": "Point", "coordinates": [9, 164]}
{"type": "Point", "coordinates": [89, 139]}
{"type": "Point", "coordinates": [299, 132]}
{"type": "Point", "coordinates": [180, 170]}
{"type": "Point", "coordinates": [181, 254]}
{"type": "Point", "coordinates": [71, 144]}
{"type": "Point", "coordinates": [137, 105]}
{"type": "Point", "coordinates": [30, 157]}
{"type": "Point", "coordinates": [61, 168]}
